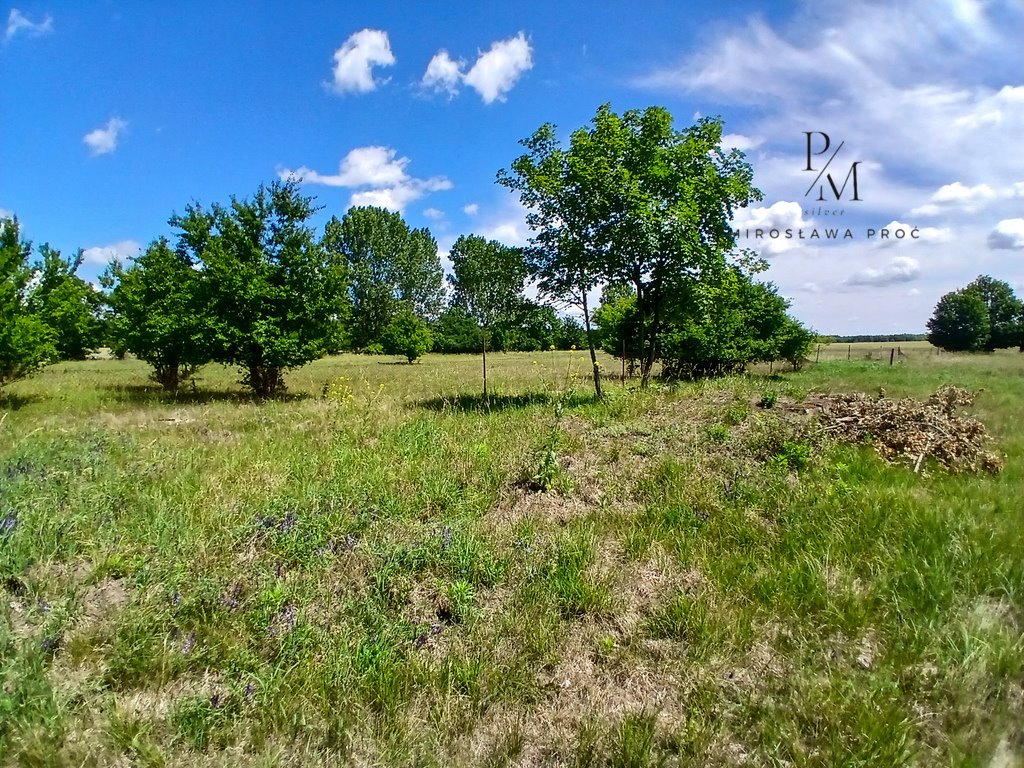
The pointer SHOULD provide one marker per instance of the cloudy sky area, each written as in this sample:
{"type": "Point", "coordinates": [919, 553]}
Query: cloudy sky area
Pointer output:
{"type": "Point", "coordinates": [116, 114]}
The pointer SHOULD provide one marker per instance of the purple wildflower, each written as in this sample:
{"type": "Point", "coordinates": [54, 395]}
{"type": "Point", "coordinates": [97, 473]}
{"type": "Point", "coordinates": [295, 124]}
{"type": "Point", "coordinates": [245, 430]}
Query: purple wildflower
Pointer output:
{"type": "Point", "coordinates": [189, 644]}
{"type": "Point", "coordinates": [9, 522]}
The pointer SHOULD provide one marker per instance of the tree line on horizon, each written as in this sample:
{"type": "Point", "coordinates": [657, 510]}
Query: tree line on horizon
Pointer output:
{"type": "Point", "coordinates": [631, 206]}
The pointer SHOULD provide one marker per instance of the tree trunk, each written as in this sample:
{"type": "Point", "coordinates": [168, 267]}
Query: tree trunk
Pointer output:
{"type": "Point", "coordinates": [590, 343]}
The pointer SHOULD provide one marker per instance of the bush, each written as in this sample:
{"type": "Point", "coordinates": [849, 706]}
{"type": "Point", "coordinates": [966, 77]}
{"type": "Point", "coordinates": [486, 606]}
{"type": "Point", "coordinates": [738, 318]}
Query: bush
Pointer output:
{"type": "Point", "coordinates": [406, 335]}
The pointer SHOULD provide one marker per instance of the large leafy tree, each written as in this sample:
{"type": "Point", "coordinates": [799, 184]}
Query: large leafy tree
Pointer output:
{"type": "Point", "coordinates": [389, 265]}
{"type": "Point", "coordinates": [1004, 310]}
{"type": "Point", "coordinates": [631, 201]}
{"type": "Point", "coordinates": [272, 291]}
{"type": "Point", "coordinates": [66, 303]}
{"type": "Point", "coordinates": [26, 343]}
{"type": "Point", "coordinates": [159, 313]}
{"type": "Point", "coordinates": [960, 322]}
{"type": "Point", "coordinates": [488, 279]}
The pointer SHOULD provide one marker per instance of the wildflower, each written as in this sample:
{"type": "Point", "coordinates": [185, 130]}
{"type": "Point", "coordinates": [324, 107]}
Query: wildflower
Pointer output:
{"type": "Point", "coordinates": [189, 644]}
{"type": "Point", "coordinates": [249, 690]}
{"type": "Point", "coordinates": [552, 348]}
{"type": "Point", "coordinates": [573, 347]}
{"type": "Point", "coordinates": [9, 522]}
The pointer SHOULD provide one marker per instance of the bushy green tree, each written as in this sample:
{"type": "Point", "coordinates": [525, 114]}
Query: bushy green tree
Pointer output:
{"type": "Point", "coordinates": [66, 303]}
{"type": "Point", "coordinates": [632, 201]}
{"type": "Point", "coordinates": [961, 322]}
{"type": "Point", "coordinates": [159, 313]}
{"type": "Point", "coordinates": [272, 291]}
{"type": "Point", "coordinates": [456, 332]}
{"type": "Point", "coordinates": [389, 266]}
{"type": "Point", "coordinates": [1004, 311]}
{"type": "Point", "coordinates": [407, 335]}
{"type": "Point", "coordinates": [26, 343]}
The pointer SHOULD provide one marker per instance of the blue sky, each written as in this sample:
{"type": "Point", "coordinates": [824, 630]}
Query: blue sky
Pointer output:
{"type": "Point", "coordinates": [115, 115]}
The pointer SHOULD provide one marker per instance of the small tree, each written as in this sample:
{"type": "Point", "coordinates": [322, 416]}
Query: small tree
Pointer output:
{"type": "Point", "coordinates": [159, 315]}
{"type": "Point", "coordinates": [26, 343]}
{"type": "Point", "coordinates": [960, 322]}
{"type": "Point", "coordinates": [406, 335]}
{"type": "Point", "coordinates": [66, 303]}
{"type": "Point", "coordinates": [488, 280]}
{"type": "Point", "coordinates": [272, 291]}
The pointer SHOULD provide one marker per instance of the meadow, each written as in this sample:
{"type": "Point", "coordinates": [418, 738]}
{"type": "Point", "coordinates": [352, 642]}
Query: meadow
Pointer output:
{"type": "Point", "coordinates": [383, 568]}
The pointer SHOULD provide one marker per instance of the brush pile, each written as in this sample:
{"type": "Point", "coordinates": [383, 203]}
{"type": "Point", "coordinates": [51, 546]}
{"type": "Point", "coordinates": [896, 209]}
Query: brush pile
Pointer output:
{"type": "Point", "coordinates": [909, 430]}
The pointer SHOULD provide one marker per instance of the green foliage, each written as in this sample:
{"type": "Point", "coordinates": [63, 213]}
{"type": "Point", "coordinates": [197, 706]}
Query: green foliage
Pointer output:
{"type": "Point", "coordinates": [488, 280]}
{"type": "Point", "coordinates": [389, 266]}
{"type": "Point", "coordinates": [456, 332]}
{"type": "Point", "coordinates": [272, 291]}
{"type": "Point", "coordinates": [960, 322]}
{"type": "Point", "coordinates": [406, 335]}
{"type": "Point", "coordinates": [67, 304]}
{"type": "Point", "coordinates": [1004, 312]}
{"type": "Point", "coordinates": [618, 322]}
{"type": "Point", "coordinates": [631, 202]}
{"type": "Point", "coordinates": [26, 344]}
{"type": "Point", "coordinates": [159, 314]}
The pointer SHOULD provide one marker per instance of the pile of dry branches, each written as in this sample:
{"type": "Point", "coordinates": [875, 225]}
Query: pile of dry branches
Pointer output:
{"type": "Point", "coordinates": [910, 430]}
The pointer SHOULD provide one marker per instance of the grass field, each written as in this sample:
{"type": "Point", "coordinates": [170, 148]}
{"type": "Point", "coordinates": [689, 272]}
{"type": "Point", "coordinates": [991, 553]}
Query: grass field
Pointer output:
{"type": "Point", "coordinates": [382, 569]}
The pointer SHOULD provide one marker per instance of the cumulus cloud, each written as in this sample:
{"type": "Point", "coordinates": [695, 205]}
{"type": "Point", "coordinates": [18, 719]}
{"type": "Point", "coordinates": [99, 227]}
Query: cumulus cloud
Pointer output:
{"type": "Point", "coordinates": [434, 214]}
{"type": "Point", "coordinates": [101, 255]}
{"type": "Point", "coordinates": [918, 86]}
{"type": "Point", "coordinates": [493, 74]}
{"type": "Point", "coordinates": [497, 71]}
{"type": "Point", "coordinates": [103, 141]}
{"type": "Point", "coordinates": [377, 174]}
{"type": "Point", "coordinates": [901, 269]}
{"type": "Point", "coordinates": [779, 216]}
{"type": "Point", "coordinates": [1008, 234]}
{"type": "Point", "coordinates": [443, 73]}
{"type": "Point", "coordinates": [19, 23]}
{"type": "Point", "coordinates": [355, 59]}
{"type": "Point", "coordinates": [956, 196]}
{"type": "Point", "coordinates": [471, 210]}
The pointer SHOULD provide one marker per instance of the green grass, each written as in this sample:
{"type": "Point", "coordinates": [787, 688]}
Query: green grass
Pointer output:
{"type": "Point", "coordinates": [383, 568]}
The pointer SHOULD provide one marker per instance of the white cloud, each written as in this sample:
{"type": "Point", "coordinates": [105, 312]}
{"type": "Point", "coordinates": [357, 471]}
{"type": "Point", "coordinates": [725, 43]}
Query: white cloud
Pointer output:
{"type": "Point", "coordinates": [741, 142]}
{"type": "Point", "coordinates": [103, 141]}
{"type": "Point", "coordinates": [956, 196]}
{"type": "Point", "coordinates": [434, 214]}
{"type": "Point", "coordinates": [380, 171]}
{"type": "Point", "coordinates": [471, 210]}
{"type": "Point", "coordinates": [101, 255]}
{"type": "Point", "coordinates": [779, 216]}
{"type": "Point", "coordinates": [901, 269]}
{"type": "Point", "coordinates": [19, 23]}
{"type": "Point", "coordinates": [496, 72]}
{"type": "Point", "coordinates": [897, 232]}
{"type": "Point", "coordinates": [1008, 234]}
{"type": "Point", "coordinates": [512, 232]}
{"type": "Point", "coordinates": [443, 73]}
{"type": "Point", "coordinates": [355, 59]}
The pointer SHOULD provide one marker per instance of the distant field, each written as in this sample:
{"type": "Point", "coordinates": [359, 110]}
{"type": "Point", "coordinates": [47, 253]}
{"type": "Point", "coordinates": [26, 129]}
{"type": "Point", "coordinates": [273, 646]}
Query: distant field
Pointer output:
{"type": "Point", "coordinates": [383, 569]}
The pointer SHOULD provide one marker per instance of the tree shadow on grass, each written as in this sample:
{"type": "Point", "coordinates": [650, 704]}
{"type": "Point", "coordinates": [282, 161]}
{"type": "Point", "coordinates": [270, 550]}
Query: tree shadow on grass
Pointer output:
{"type": "Point", "coordinates": [147, 394]}
{"type": "Point", "coordinates": [11, 402]}
{"type": "Point", "coordinates": [477, 403]}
